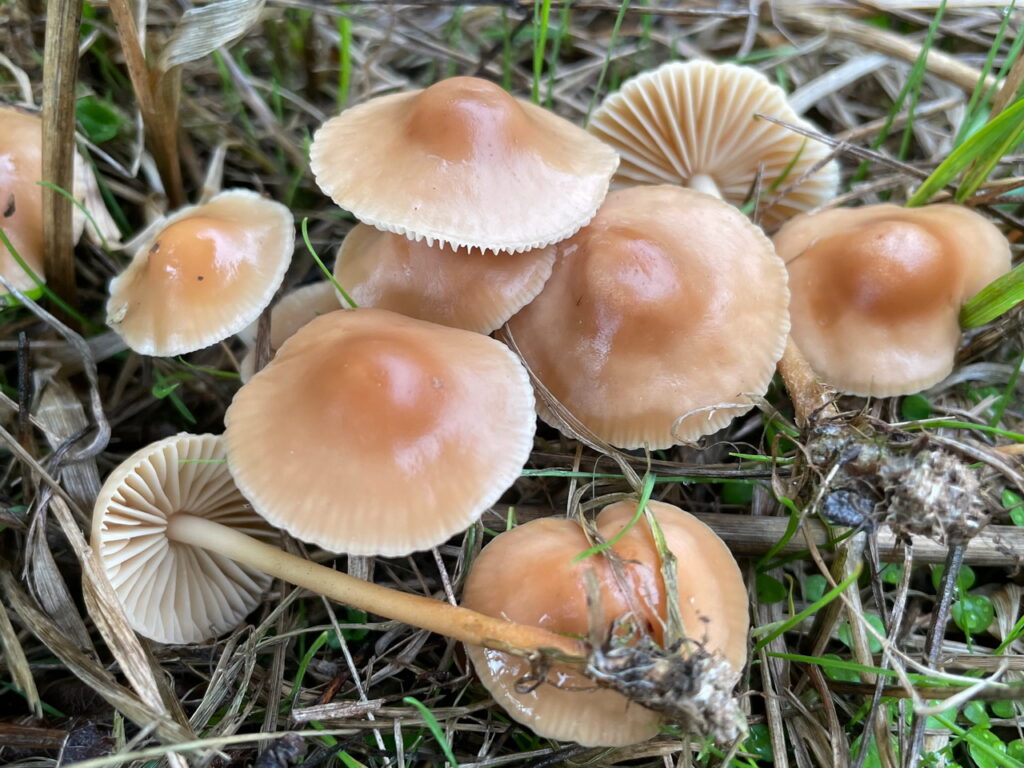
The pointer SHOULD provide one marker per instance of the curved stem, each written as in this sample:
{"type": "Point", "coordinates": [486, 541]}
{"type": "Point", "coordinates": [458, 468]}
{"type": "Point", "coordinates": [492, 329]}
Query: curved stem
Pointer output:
{"type": "Point", "coordinates": [701, 182]}
{"type": "Point", "coordinates": [809, 396]}
{"type": "Point", "coordinates": [445, 619]}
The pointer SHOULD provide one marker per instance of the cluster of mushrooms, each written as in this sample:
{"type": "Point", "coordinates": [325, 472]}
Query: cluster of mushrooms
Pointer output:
{"type": "Point", "coordinates": [648, 316]}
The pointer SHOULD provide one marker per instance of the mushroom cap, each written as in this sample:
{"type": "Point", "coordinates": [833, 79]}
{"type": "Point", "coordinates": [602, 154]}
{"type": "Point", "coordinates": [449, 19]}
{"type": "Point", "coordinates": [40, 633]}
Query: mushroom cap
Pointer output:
{"type": "Point", "coordinates": [668, 303]}
{"type": "Point", "coordinates": [465, 164]}
{"type": "Point", "coordinates": [696, 118]}
{"type": "Point", "coordinates": [439, 284]}
{"type": "Point", "coordinates": [527, 575]}
{"type": "Point", "coordinates": [21, 196]}
{"type": "Point", "coordinates": [171, 592]}
{"type": "Point", "coordinates": [363, 434]}
{"type": "Point", "coordinates": [291, 312]}
{"type": "Point", "coordinates": [205, 275]}
{"type": "Point", "coordinates": [877, 290]}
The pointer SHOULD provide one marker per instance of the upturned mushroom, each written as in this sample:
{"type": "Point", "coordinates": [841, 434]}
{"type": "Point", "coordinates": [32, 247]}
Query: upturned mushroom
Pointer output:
{"type": "Point", "coordinates": [695, 124]}
{"type": "Point", "coordinates": [462, 163]}
{"type": "Point", "coordinates": [204, 275]}
{"type": "Point", "coordinates": [532, 575]}
{"type": "Point", "coordinates": [661, 319]}
{"type": "Point", "coordinates": [877, 291]}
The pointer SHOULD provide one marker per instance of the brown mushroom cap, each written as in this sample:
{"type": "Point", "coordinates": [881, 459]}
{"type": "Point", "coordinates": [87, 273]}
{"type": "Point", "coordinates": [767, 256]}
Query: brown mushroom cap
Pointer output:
{"type": "Point", "coordinates": [527, 575]}
{"type": "Point", "coordinates": [670, 302]}
{"type": "Point", "coordinates": [877, 290]}
{"type": "Point", "coordinates": [363, 435]}
{"type": "Point", "coordinates": [174, 593]}
{"type": "Point", "coordinates": [688, 123]}
{"type": "Point", "coordinates": [21, 196]}
{"type": "Point", "coordinates": [439, 284]}
{"type": "Point", "coordinates": [205, 275]}
{"type": "Point", "coordinates": [465, 164]}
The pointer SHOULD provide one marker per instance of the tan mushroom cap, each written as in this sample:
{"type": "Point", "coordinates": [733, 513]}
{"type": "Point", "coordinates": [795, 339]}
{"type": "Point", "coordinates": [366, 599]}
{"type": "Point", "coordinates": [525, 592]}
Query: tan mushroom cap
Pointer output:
{"type": "Point", "coordinates": [205, 275]}
{"type": "Point", "coordinates": [877, 291]}
{"type": "Point", "coordinates": [291, 312]}
{"type": "Point", "coordinates": [364, 434]}
{"type": "Point", "coordinates": [465, 164]}
{"type": "Point", "coordinates": [171, 592]}
{"type": "Point", "coordinates": [477, 292]}
{"type": "Point", "coordinates": [527, 575]}
{"type": "Point", "coordinates": [670, 302]}
{"type": "Point", "coordinates": [21, 196]}
{"type": "Point", "coordinates": [693, 124]}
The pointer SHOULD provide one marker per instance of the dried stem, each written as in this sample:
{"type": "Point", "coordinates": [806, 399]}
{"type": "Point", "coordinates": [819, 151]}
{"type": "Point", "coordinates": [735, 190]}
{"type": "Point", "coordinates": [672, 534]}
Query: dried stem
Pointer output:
{"type": "Point", "coordinates": [810, 397]}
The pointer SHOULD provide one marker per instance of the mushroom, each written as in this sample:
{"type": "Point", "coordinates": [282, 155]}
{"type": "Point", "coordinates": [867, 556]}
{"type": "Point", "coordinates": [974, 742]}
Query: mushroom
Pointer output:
{"type": "Point", "coordinates": [171, 593]}
{"type": "Point", "coordinates": [207, 273]}
{"type": "Point", "coordinates": [695, 124]}
{"type": "Point", "coordinates": [462, 163]}
{"type": "Point", "coordinates": [378, 449]}
{"type": "Point", "coordinates": [438, 283]}
{"type": "Point", "coordinates": [661, 318]}
{"type": "Point", "coordinates": [21, 196]}
{"type": "Point", "coordinates": [532, 575]}
{"type": "Point", "coordinates": [877, 291]}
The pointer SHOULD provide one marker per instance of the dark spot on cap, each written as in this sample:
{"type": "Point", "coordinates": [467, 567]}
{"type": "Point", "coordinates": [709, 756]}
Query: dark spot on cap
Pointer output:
{"type": "Point", "coordinates": [199, 277]}
{"type": "Point", "coordinates": [155, 247]}
{"type": "Point", "coordinates": [9, 208]}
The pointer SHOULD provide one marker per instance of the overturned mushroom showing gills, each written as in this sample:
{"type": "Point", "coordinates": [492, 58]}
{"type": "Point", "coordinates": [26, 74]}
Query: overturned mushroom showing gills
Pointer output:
{"type": "Point", "coordinates": [204, 275]}
{"type": "Point", "coordinates": [378, 451]}
{"type": "Point", "coordinates": [694, 124]}
{"type": "Point", "coordinates": [661, 319]}
{"type": "Point", "coordinates": [477, 292]}
{"type": "Point", "coordinates": [877, 291]}
{"type": "Point", "coordinates": [172, 593]}
{"type": "Point", "coordinates": [711, 597]}
{"type": "Point", "coordinates": [464, 164]}
{"type": "Point", "coordinates": [21, 196]}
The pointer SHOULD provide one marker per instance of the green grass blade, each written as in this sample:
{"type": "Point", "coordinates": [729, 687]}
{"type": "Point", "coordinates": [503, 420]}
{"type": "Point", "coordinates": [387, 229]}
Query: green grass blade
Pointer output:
{"type": "Point", "coordinates": [979, 88]}
{"type": "Point", "coordinates": [916, 79]}
{"type": "Point", "coordinates": [435, 729]}
{"type": "Point", "coordinates": [541, 22]}
{"type": "Point", "coordinates": [995, 299]}
{"type": "Point", "coordinates": [323, 267]}
{"type": "Point", "coordinates": [344, 59]}
{"type": "Point", "coordinates": [997, 757]}
{"type": "Point", "coordinates": [607, 60]}
{"type": "Point", "coordinates": [775, 629]}
{"type": "Point", "coordinates": [645, 496]}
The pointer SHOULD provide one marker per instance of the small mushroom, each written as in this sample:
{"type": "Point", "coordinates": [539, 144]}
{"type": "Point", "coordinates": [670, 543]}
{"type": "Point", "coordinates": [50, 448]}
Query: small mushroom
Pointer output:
{"type": "Point", "coordinates": [21, 196]}
{"type": "Point", "coordinates": [438, 283]}
{"type": "Point", "coordinates": [171, 593]}
{"type": "Point", "coordinates": [531, 575]}
{"type": "Point", "coordinates": [464, 164]}
{"type": "Point", "coordinates": [378, 449]}
{"type": "Point", "coordinates": [694, 124]}
{"type": "Point", "coordinates": [661, 317]}
{"type": "Point", "coordinates": [877, 291]}
{"type": "Point", "coordinates": [206, 274]}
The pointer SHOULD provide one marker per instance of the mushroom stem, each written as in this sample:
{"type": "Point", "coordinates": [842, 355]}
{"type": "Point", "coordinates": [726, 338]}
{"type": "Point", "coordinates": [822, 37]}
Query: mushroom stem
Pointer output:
{"type": "Point", "coordinates": [459, 623]}
{"type": "Point", "coordinates": [701, 182]}
{"type": "Point", "coordinates": [810, 397]}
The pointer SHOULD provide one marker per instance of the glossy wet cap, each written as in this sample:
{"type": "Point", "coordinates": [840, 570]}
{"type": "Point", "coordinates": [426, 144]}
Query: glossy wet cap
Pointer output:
{"type": "Point", "coordinates": [174, 593]}
{"type": "Point", "coordinates": [21, 196]}
{"type": "Point", "coordinates": [291, 312]}
{"type": "Point", "coordinates": [684, 123]}
{"type": "Point", "coordinates": [464, 164]}
{"type": "Point", "coordinates": [375, 434]}
{"type": "Point", "coordinates": [204, 275]}
{"type": "Point", "coordinates": [877, 291]}
{"type": "Point", "coordinates": [477, 292]}
{"type": "Point", "coordinates": [669, 304]}
{"type": "Point", "coordinates": [527, 575]}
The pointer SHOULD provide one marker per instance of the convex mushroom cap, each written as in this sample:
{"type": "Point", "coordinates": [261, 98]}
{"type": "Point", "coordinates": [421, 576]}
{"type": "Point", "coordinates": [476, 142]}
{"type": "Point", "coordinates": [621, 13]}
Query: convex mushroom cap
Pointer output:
{"type": "Point", "coordinates": [464, 164]}
{"type": "Point", "coordinates": [660, 319]}
{"type": "Point", "coordinates": [21, 196]}
{"type": "Point", "coordinates": [171, 592]}
{"type": "Point", "coordinates": [528, 575]}
{"type": "Point", "coordinates": [477, 292]}
{"type": "Point", "coordinates": [694, 124]}
{"type": "Point", "coordinates": [363, 435]}
{"type": "Point", "coordinates": [204, 275]}
{"type": "Point", "coordinates": [877, 290]}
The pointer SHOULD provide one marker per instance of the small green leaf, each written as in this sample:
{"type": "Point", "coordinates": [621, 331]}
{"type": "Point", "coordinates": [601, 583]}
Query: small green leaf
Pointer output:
{"type": "Point", "coordinates": [814, 588]}
{"type": "Point", "coordinates": [769, 589]}
{"type": "Point", "coordinates": [975, 712]}
{"type": "Point", "coordinates": [964, 581]}
{"type": "Point", "coordinates": [973, 613]}
{"type": "Point", "coordinates": [837, 673]}
{"type": "Point", "coordinates": [915, 408]}
{"type": "Point", "coordinates": [1015, 749]}
{"type": "Point", "coordinates": [983, 757]}
{"type": "Point", "coordinates": [736, 492]}
{"type": "Point", "coordinates": [1015, 505]}
{"type": "Point", "coordinates": [1004, 709]}
{"type": "Point", "coordinates": [759, 743]}
{"type": "Point", "coordinates": [892, 573]}
{"type": "Point", "coordinates": [98, 118]}
{"type": "Point", "coordinates": [995, 299]}
{"type": "Point", "coordinates": [846, 637]}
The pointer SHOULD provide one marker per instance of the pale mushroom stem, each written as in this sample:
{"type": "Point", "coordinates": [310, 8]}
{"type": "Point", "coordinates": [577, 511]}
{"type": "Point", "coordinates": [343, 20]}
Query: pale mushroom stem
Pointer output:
{"type": "Point", "coordinates": [433, 615]}
{"type": "Point", "coordinates": [701, 182]}
{"type": "Point", "coordinates": [809, 396]}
